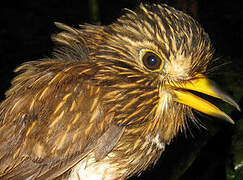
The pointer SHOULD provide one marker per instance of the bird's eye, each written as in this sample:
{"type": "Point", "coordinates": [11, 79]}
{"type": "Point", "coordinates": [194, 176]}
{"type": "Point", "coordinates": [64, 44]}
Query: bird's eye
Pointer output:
{"type": "Point", "coordinates": [151, 61]}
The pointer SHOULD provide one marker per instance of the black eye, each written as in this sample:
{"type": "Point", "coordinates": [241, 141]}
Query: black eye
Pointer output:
{"type": "Point", "coordinates": [151, 61]}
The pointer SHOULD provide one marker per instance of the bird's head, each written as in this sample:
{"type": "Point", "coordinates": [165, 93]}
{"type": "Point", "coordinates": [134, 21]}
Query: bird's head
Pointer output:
{"type": "Point", "coordinates": [152, 59]}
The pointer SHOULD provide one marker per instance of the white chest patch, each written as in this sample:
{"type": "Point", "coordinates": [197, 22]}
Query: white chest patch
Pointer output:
{"type": "Point", "coordinates": [88, 169]}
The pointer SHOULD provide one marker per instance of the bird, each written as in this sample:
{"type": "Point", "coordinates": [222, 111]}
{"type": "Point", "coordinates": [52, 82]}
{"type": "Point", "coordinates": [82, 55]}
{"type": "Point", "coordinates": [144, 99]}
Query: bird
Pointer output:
{"type": "Point", "coordinates": [109, 99]}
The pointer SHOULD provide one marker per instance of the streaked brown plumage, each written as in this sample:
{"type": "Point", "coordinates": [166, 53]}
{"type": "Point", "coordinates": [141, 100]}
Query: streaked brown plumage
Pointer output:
{"type": "Point", "coordinates": [109, 100]}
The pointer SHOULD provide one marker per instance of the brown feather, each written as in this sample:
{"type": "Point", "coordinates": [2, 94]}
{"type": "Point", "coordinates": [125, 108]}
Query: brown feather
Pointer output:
{"type": "Point", "coordinates": [44, 133]}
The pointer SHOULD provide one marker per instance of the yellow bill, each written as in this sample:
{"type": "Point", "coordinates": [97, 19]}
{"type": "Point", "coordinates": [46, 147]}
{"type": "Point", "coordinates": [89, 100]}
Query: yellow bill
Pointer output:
{"type": "Point", "coordinates": [203, 85]}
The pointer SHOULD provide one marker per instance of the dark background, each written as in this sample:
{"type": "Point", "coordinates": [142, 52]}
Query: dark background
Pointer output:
{"type": "Point", "coordinates": [25, 31]}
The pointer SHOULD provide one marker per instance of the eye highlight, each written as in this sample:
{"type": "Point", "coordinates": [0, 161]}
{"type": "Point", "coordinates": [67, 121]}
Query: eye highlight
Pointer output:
{"type": "Point", "coordinates": [151, 60]}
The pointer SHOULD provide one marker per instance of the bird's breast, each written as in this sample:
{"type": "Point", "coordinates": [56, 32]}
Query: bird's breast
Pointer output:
{"type": "Point", "coordinates": [126, 159]}
{"type": "Point", "coordinates": [90, 169]}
